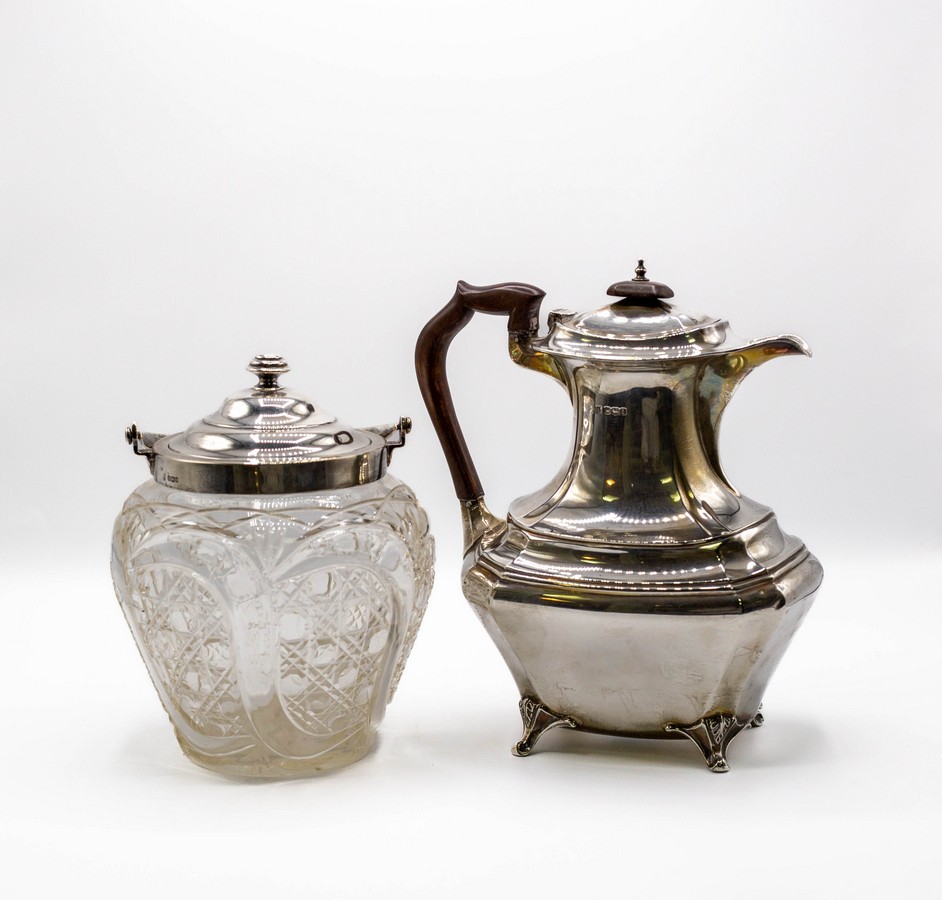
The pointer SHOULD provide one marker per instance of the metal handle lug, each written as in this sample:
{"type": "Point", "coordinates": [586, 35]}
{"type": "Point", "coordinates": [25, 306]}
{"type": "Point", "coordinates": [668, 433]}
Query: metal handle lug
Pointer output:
{"type": "Point", "coordinates": [395, 435]}
{"type": "Point", "coordinates": [142, 442]}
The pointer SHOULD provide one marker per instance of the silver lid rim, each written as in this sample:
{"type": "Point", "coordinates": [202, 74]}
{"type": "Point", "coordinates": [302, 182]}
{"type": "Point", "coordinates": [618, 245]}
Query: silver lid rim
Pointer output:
{"type": "Point", "coordinates": [294, 478]}
{"type": "Point", "coordinates": [303, 476]}
{"type": "Point", "coordinates": [268, 439]}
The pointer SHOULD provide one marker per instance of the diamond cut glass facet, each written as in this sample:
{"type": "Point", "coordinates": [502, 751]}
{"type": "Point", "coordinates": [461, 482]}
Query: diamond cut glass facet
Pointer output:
{"type": "Point", "coordinates": [275, 629]}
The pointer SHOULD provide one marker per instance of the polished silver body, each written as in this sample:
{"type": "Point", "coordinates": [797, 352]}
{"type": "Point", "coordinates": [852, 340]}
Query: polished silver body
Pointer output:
{"type": "Point", "coordinates": [639, 593]}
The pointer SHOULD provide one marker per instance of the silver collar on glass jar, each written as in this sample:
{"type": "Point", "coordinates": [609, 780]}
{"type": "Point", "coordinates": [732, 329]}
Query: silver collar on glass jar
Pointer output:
{"type": "Point", "coordinates": [268, 439]}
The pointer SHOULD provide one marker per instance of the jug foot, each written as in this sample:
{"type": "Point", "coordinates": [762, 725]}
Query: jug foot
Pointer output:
{"type": "Point", "coordinates": [537, 719]}
{"type": "Point", "coordinates": [712, 735]}
{"type": "Point", "coordinates": [758, 720]}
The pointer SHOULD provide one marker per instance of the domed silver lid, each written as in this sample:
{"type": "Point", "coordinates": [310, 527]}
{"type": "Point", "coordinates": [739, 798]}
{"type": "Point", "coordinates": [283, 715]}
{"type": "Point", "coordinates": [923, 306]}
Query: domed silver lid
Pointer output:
{"type": "Point", "coordinates": [268, 439]}
{"type": "Point", "coordinates": [640, 326]}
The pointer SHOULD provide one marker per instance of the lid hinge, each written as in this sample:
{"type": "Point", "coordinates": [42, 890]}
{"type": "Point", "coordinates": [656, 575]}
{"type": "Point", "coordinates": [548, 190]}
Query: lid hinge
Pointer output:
{"type": "Point", "coordinates": [142, 442]}
{"type": "Point", "coordinates": [395, 435]}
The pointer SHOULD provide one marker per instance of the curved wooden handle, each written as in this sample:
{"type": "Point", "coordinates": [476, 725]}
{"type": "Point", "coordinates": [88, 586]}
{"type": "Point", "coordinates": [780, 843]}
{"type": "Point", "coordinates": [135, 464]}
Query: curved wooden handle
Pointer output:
{"type": "Point", "coordinates": [521, 303]}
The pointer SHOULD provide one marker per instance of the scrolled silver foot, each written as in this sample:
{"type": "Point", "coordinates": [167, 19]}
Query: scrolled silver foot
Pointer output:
{"type": "Point", "coordinates": [712, 734]}
{"type": "Point", "coordinates": [537, 720]}
{"type": "Point", "coordinates": [758, 720]}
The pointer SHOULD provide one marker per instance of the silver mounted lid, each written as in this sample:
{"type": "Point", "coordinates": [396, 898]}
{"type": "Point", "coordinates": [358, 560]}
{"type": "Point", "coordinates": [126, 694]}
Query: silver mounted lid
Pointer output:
{"type": "Point", "coordinates": [640, 326]}
{"type": "Point", "coordinates": [268, 439]}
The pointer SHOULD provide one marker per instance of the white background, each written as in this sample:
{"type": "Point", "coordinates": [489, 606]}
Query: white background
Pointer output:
{"type": "Point", "coordinates": [187, 184]}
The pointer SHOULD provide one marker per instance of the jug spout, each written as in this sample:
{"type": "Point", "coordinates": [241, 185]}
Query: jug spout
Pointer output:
{"type": "Point", "coordinates": [731, 368]}
{"type": "Point", "coordinates": [721, 377]}
{"type": "Point", "coordinates": [758, 352]}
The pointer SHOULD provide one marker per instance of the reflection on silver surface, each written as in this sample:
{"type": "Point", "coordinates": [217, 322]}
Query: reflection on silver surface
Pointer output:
{"type": "Point", "coordinates": [639, 593]}
{"type": "Point", "coordinates": [269, 439]}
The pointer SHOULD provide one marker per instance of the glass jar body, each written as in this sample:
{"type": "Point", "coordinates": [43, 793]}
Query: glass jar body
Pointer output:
{"type": "Point", "coordinates": [274, 628]}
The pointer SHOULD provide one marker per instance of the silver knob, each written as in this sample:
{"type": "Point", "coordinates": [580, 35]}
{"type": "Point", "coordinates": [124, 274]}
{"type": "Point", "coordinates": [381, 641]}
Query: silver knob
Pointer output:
{"type": "Point", "coordinates": [268, 369]}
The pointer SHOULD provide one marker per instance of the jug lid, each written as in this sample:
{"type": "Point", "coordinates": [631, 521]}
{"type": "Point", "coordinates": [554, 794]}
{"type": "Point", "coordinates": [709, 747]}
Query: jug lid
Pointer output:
{"type": "Point", "coordinates": [639, 326]}
{"type": "Point", "coordinates": [268, 439]}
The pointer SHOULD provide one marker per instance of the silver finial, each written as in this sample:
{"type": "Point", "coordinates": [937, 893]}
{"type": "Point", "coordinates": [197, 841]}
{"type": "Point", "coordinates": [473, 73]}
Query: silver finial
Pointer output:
{"type": "Point", "coordinates": [267, 369]}
{"type": "Point", "coordinates": [640, 272]}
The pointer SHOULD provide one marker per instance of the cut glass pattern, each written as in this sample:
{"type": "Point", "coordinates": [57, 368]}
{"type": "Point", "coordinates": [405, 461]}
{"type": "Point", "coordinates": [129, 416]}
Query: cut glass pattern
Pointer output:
{"type": "Point", "coordinates": [275, 629]}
